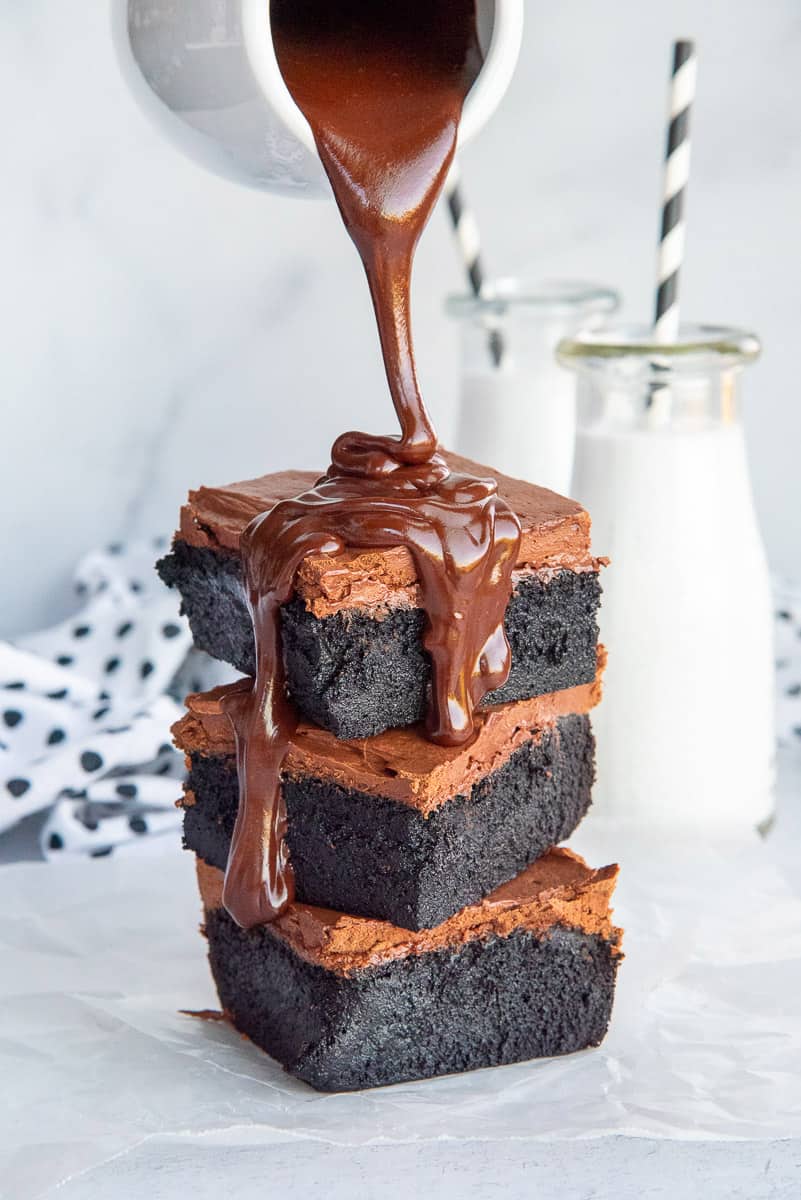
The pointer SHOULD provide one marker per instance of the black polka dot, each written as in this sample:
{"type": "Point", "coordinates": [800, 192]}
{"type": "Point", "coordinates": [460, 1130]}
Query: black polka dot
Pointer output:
{"type": "Point", "coordinates": [16, 686]}
{"type": "Point", "coordinates": [147, 668]}
{"type": "Point", "coordinates": [171, 630]}
{"type": "Point", "coordinates": [55, 841]}
{"type": "Point", "coordinates": [101, 712]}
{"type": "Point", "coordinates": [159, 542]}
{"type": "Point", "coordinates": [91, 760]}
{"type": "Point", "coordinates": [196, 685]}
{"type": "Point", "coordinates": [12, 717]}
{"type": "Point", "coordinates": [135, 585]}
{"type": "Point", "coordinates": [115, 548]}
{"type": "Point", "coordinates": [138, 825]}
{"type": "Point", "coordinates": [165, 748]}
{"type": "Point", "coordinates": [18, 787]}
{"type": "Point", "coordinates": [74, 793]}
{"type": "Point", "coordinates": [59, 695]}
{"type": "Point", "coordinates": [91, 824]}
{"type": "Point", "coordinates": [784, 615]}
{"type": "Point", "coordinates": [81, 631]}
{"type": "Point", "coordinates": [111, 665]}
{"type": "Point", "coordinates": [796, 731]}
{"type": "Point", "coordinates": [164, 769]}
{"type": "Point", "coordinates": [126, 790]}
{"type": "Point", "coordinates": [794, 689]}
{"type": "Point", "coordinates": [124, 629]}
{"type": "Point", "coordinates": [104, 696]}
{"type": "Point", "coordinates": [81, 589]}
{"type": "Point", "coordinates": [55, 736]}
{"type": "Point", "coordinates": [103, 852]}
{"type": "Point", "coordinates": [65, 660]}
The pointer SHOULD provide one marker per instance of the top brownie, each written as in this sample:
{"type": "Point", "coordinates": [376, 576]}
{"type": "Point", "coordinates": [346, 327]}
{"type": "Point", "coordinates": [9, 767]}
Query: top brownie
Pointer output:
{"type": "Point", "coordinates": [352, 634]}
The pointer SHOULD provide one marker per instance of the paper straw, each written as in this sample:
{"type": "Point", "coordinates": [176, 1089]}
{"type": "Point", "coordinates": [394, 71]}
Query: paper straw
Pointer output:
{"type": "Point", "coordinates": [674, 192]}
{"type": "Point", "coordinates": [465, 228]}
{"type": "Point", "coordinates": [672, 230]}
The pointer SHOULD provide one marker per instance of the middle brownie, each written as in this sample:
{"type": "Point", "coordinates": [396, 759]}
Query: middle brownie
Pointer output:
{"type": "Point", "coordinates": [394, 827]}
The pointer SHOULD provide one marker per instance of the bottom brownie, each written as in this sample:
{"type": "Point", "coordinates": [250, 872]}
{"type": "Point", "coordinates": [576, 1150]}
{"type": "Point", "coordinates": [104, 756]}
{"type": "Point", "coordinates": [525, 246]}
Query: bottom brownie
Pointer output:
{"type": "Point", "coordinates": [346, 1003]}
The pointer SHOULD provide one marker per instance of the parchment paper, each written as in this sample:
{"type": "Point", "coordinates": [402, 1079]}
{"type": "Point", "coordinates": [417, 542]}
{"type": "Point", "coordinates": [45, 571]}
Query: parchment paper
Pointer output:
{"type": "Point", "coordinates": [96, 961]}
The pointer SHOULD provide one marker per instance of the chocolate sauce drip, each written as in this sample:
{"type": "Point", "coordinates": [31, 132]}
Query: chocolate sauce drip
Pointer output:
{"type": "Point", "coordinates": [464, 542]}
{"type": "Point", "coordinates": [382, 86]}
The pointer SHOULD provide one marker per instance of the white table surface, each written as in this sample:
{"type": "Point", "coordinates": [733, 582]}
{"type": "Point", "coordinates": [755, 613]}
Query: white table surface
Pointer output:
{"type": "Point", "coordinates": [277, 1164]}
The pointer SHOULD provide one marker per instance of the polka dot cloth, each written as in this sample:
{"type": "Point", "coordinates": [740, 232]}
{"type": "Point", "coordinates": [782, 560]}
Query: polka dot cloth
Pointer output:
{"type": "Point", "coordinates": [788, 661]}
{"type": "Point", "coordinates": [85, 712]}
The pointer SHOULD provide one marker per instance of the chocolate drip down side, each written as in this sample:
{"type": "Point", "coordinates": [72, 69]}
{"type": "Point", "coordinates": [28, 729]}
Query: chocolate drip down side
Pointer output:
{"type": "Point", "coordinates": [464, 541]}
{"type": "Point", "coordinates": [382, 87]}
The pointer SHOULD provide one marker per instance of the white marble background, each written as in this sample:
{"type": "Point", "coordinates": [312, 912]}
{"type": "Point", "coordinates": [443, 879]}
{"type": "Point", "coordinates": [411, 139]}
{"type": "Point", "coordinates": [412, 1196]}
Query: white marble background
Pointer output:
{"type": "Point", "coordinates": [158, 324]}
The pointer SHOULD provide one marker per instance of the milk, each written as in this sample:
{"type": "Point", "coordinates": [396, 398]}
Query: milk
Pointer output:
{"type": "Point", "coordinates": [519, 414]}
{"type": "Point", "coordinates": [686, 730]}
{"type": "Point", "coordinates": [520, 419]}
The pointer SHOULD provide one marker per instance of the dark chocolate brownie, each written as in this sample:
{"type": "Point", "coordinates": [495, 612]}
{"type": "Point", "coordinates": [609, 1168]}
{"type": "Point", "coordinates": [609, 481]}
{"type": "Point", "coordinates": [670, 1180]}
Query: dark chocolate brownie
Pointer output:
{"type": "Point", "coordinates": [356, 674]}
{"type": "Point", "coordinates": [489, 1002]}
{"type": "Point", "coordinates": [375, 857]}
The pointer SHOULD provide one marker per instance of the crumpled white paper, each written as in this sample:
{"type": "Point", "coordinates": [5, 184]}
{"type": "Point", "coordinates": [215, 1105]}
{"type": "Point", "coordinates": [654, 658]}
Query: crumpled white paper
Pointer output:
{"type": "Point", "coordinates": [705, 1039]}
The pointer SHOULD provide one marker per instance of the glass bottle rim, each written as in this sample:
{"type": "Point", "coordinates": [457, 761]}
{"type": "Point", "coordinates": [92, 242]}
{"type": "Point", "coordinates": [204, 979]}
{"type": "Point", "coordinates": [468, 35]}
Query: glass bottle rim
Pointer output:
{"type": "Point", "coordinates": [556, 297]}
{"type": "Point", "coordinates": [696, 347]}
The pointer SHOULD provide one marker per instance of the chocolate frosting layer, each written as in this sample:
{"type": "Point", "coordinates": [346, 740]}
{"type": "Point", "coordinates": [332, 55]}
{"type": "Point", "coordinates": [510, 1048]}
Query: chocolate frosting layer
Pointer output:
{"type": "Point", "coordinates": [558, 889]}
{"type": "Point", "coordinates": [401, 764]}
{"type": "Point", "coordinates": [555, 535]}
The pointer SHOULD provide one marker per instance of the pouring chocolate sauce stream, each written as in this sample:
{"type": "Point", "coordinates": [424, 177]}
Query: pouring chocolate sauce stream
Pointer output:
{"type": "Point", "coordinates": [382, 86]}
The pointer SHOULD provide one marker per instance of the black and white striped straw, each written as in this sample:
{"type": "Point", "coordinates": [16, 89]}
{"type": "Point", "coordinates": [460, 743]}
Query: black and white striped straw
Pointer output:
{"type": "Point", "coordinates": [465, 228]}
{"type": "Point", "coordinates": [674, 196]}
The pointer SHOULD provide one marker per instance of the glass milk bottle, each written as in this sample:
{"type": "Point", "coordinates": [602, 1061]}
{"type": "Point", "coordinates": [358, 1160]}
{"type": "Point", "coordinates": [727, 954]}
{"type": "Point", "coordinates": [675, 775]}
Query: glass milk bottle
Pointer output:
{"type": "Point", "coordinates": [516, 404]}
{"type": "Point", "coordinates": [686, 730]}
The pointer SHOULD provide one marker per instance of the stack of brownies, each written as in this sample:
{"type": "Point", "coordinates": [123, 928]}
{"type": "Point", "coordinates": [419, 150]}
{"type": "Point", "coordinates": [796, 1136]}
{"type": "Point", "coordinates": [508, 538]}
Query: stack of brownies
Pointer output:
{"type": "Point", "coordinates": [435, 927]}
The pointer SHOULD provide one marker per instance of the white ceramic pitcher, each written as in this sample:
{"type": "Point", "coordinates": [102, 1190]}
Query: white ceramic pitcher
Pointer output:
{"type": "Point", "coordinates": [206, 72]}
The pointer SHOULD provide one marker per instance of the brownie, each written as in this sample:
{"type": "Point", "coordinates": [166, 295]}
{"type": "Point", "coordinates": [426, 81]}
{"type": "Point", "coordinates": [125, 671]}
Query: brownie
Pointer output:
{"type": "Point", "coordinates": [352, 634]}
{"type": "Point", "coordinates": [356, 673]}
{"type": "Point", "coordinates": [529, 972]}
{"type": "Point", "coordinates": [394, 827]}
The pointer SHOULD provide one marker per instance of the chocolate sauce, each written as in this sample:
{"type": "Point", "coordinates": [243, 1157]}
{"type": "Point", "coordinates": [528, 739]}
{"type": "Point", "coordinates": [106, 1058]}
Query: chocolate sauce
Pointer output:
{"type": "Point", "coordinates": [382, 86]}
